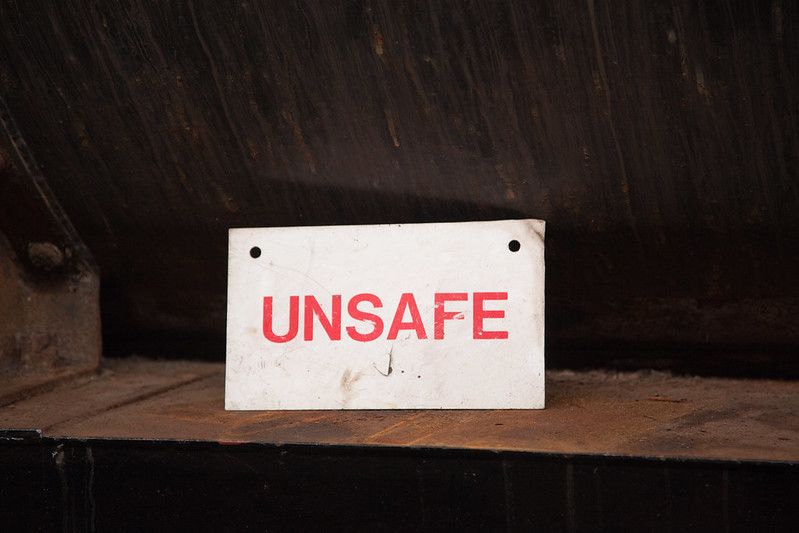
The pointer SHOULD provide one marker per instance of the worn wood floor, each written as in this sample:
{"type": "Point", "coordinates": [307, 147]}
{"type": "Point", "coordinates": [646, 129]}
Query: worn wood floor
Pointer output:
{"type": "Point", "coordinates": [625, 414]}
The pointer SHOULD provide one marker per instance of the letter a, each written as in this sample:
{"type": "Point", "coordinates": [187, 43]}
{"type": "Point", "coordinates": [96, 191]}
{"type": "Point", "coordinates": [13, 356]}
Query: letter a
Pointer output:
{"type": "Point", "coordinates": [407, 301]}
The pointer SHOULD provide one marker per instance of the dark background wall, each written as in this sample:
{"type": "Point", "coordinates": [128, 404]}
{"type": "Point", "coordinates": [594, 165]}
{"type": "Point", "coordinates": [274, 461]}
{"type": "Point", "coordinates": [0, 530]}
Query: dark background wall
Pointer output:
{"type": "Point", "coordinates": [660, 141]}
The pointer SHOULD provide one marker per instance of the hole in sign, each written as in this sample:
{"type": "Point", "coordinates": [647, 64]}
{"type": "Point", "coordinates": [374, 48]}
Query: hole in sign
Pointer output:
{"type": "Point", "coordinates": [255, 252]}
{"type": "Point", "coordinates": [514, 245]}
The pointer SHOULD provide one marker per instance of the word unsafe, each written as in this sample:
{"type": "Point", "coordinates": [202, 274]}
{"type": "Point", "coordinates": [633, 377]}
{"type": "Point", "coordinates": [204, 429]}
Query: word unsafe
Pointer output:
{"type": "Point", "coordinates": [406, 316]}
{"type": "Point", "coordinates": [389, 316]}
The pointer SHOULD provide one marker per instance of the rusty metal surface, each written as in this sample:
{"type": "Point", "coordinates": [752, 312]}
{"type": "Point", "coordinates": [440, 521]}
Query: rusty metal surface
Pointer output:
{"type": "Point", "coordinates": [658, 139]}
{"type": "Point", "coordinates": [605, 413]}
{"type": "Point", "coordinates": [46, 328]}
{"type": "Point", "coordinates": [49, 286]}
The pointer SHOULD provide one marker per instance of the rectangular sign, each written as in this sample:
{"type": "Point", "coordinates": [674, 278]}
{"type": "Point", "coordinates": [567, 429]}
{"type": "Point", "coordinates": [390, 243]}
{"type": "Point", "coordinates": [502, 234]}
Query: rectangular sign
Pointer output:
{"type": "Point", "coordinates": [400, 316]}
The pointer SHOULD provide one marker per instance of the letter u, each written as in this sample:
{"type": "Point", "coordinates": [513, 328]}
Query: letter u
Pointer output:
{"type": "Point", "coordinates": [294, 320]}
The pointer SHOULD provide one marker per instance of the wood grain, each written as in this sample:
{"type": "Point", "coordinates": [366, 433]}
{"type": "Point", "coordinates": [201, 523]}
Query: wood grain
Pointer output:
{"type": "Point", "coordinates": [605, 413]}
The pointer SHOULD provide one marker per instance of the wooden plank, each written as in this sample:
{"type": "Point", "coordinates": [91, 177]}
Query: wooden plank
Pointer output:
{"type": "Point", "coordinates": [630, 414]}
{"type": "Point", "coordinates": [15, 388]}
{"type": "Point", "coordinates": [196, 412]}
{"type": "Point", "coordinates": [121, 382]}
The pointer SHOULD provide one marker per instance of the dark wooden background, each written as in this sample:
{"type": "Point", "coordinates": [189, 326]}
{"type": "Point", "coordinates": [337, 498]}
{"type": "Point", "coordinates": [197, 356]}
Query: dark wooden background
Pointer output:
{"type": "Point", "coordinates": [659, 139]}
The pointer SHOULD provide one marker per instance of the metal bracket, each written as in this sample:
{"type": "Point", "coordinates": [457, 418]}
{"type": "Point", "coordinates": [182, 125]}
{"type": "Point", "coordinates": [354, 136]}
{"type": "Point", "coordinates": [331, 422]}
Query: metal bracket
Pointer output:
{"type": "Point", "coordinates": [49, 284]}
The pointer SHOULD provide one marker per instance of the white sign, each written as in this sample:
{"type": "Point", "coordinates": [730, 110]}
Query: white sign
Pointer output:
{"type": "Point", "coordinates": [401, 316]}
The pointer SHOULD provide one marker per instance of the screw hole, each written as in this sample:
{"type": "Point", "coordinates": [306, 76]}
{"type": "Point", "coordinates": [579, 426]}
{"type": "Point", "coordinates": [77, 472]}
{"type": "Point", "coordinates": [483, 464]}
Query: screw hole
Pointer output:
{"type": "Point", "coordinates": [255, 252]}
{"type": "Point", "coordinates": [514, 245]}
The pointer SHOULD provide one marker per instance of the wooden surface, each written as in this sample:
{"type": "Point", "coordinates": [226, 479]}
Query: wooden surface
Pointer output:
{"type": "Point", "coordinates": [627, 414]}
{"type": "Point", "coordinates": [658, 139]}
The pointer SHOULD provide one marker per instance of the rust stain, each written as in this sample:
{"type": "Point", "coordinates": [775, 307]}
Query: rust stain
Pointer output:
{"type": "Point", "coordinates": [225, 199]}
{"type": "Point", "coordinates": [83, 135]}
{"type": "Point", "coordinates": [253, 150]}
{"type": "Point", "coordinates": [378, 44]}
{"type": "Point", "coordinates": [701, 88]}
{"type": "Point", "coordinates": [299, 140]}
{"type": "Point", "coordinates": [392, 129]}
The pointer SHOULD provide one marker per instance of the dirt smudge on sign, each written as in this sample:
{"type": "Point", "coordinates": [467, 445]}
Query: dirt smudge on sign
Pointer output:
{"type": "Point", "coordinates": [348, 379]}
